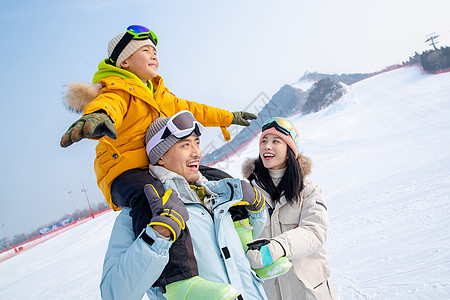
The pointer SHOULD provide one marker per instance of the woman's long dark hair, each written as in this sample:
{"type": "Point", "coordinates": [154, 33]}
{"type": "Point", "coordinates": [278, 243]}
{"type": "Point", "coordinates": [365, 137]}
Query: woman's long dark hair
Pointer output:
{"type": "Point", "coordinates": [291, 183]}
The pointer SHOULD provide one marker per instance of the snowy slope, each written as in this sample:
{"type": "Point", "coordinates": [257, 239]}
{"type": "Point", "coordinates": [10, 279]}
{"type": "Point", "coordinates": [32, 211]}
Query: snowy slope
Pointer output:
{"type": "Point", "coordinates": [68, 266]}
{"type": "Point", "coordinates": [382, 157]}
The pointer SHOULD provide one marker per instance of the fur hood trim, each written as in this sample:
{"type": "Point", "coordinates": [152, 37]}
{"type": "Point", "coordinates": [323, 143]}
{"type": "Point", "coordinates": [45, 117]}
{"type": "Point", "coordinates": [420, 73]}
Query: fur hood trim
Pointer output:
{"type": "Point", "coordinates": [305, 166]}
{"type": "Point", "coordinates": [79, 94]}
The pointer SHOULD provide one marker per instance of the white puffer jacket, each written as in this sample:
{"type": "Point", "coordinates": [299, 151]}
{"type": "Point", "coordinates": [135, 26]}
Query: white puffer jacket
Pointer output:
{"type": "Point", "coordinates": [302, 229]}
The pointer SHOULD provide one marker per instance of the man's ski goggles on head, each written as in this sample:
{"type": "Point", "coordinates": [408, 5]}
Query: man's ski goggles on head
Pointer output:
{"type": "Point", "coordinates": [181, 125]}
{"type": "Point", "coordinates": [282, 125]}
{"type": "Point", "coordinates": [134, 32]}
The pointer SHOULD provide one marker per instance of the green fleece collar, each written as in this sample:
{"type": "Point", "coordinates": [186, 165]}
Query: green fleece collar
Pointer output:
{"type": "Point", "coordinates": [200, 190]}
{"type": "Point", "coordinates": [108, 70]}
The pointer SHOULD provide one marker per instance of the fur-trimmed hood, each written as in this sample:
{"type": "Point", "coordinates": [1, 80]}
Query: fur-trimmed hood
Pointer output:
{"type": "Point", "coordinates": [305, 166]}
{"type": "Point", "coordinates": [79, 94]}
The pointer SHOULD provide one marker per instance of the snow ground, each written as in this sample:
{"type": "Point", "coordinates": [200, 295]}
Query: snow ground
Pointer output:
{"type": "Point", "coordinates": [382, 157]}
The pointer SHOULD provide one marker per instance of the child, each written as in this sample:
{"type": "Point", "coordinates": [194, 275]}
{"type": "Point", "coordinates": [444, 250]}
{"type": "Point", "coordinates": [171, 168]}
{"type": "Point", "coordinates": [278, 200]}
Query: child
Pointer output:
{"type": "Point", "coordinates": [127, 97]}
{"type": "Point", "coordinates": [297, 224]}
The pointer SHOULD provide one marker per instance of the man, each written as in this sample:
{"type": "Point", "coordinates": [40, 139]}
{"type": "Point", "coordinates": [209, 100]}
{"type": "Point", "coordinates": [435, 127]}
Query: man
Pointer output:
{"type": "Point", "coordinates": [208, 209]}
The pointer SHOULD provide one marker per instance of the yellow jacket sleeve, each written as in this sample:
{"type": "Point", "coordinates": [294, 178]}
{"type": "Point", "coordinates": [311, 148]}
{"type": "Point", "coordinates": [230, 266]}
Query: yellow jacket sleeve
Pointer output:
{"type": "Point", "coordinates": [207, 115]}
{"type": "Point", "coordinates": [112, 102]}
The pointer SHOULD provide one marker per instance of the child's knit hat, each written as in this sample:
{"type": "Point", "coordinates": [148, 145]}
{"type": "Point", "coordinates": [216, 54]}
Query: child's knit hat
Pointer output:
{"type": "Point", "coordinates": [132, 47]}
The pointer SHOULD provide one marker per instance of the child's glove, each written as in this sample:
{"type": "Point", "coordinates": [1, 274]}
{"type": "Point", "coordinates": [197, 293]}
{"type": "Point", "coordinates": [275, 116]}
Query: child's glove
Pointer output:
{"type": "Point", "coordinates": [168, 211]}
{"type": "Point", "coordinates": [252, 198]}
{"type": "Point", "coordinates": [94, 125]}
{"type": "Point", "coordinates": [241, 117]}
{"type": "Point", "coordinates": [264, 252]}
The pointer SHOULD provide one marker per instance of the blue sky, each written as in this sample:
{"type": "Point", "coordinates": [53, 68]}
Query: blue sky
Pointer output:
{"type": "Point", "coordinates": [222, 54]}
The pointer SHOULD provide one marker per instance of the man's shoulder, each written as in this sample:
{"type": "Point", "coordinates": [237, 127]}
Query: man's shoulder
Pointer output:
{"type": "Point", "coordinates": [238, 212]}
{"type": "Point", "coordinates": [213, 174]}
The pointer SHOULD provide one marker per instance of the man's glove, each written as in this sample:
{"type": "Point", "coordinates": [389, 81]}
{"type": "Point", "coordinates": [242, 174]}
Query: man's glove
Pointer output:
{"type": "Point", "coordinates": [252, 198]}
{"type": "Point", "coordinates": [264, 252]}
{"type": "Point", "coordinates": [241, 117]}
{"type": "Point", "coordinates": [89, 126]}
{"type": "Point", "coordinates": [168, 211]}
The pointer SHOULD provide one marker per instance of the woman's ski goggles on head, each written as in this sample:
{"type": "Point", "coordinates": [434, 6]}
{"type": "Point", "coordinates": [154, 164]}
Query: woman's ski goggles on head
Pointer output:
{"type": "Point", "coordinates": [181, 125]}
{"type": "Point", "coordinates": [282, 125]}
{"type": "Point", "coordinates": [134, 32]}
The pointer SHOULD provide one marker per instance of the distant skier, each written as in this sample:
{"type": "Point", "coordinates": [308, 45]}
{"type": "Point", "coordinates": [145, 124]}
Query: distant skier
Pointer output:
{"type": "Point", "coordinates": [127, 96]}
{"type": "Point", "coordinates": [297, 216]}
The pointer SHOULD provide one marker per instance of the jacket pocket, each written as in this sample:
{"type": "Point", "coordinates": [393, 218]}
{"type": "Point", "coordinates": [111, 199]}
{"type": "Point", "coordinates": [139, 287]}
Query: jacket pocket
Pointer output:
{"type": "Point", "coordinates": [289, 217]}
{"type": "Point", "coordinates": [107, 156]}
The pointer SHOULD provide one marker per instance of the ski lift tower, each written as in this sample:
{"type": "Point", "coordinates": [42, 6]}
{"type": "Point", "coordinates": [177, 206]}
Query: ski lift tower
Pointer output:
{"type": "Point", "coordinates": [431, 38]}
{"type": "Point", "coordinates": [6, 237]}
{"type": "Point", "coordinates": [85, 192]}
{"type": "Point", "coordinates": [73, 202]}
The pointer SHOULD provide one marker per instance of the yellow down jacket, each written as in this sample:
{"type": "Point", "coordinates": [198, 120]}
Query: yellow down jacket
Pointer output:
{"type": "Point", "coordinates": [132, 106]}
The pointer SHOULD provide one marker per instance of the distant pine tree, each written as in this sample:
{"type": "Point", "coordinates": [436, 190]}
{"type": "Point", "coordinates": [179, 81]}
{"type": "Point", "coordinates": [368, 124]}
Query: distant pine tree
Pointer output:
{"type": "Point", "coordinates": [322, 94]}
{"type": "Point", "coordinates": [434, 60]}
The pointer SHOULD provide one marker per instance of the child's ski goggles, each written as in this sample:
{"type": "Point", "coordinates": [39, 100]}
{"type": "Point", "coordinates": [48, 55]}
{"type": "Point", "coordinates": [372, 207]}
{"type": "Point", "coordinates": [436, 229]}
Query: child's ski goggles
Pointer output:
{"type": "Point", "coordinates": [134, 32]}
{"type": "Point", "coordinates": [181, 125]}
{"type": "Point", "coordinates": [282, 125]}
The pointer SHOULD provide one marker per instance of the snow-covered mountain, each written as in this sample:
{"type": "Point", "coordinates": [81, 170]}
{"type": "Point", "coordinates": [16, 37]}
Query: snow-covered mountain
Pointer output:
{"type": "Point", "coordinates": [311, 93]}
{"type": "Point", "coordinates": [381, 154]}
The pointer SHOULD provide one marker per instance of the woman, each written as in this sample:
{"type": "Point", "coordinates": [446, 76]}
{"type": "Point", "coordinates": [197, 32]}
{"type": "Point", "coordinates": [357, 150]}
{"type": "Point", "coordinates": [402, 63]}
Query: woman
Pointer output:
{"type": "Point", "coordinates": [298, 219]}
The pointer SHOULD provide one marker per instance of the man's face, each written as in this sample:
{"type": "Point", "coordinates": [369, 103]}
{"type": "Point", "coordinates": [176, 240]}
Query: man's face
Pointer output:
{"type": "Point", "coordinates": [143, 63]}
{"type": "Point", "coordinates": [183, 158]}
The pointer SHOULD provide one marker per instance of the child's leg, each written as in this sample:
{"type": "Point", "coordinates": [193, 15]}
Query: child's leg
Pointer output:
{"type": "Point", "coordinates": [128, 190]}
{"type": "Point", "coordinates": [245, 231]}
{"type": "Point", "coordinates": [241, 221]}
